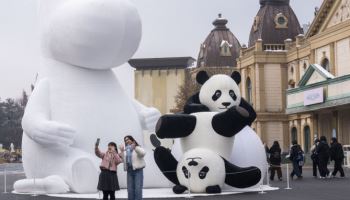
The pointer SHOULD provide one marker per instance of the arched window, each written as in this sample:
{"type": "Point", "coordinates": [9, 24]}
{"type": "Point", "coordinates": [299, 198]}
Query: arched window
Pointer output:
{"type": "Point", "coordinates": [291, 84]}
{"type": "Point", "coordinates": [325, 64]}
{"type": "Point", "coordinates": [294, 134]}
{"type": "Point", "coordinates": [307, 141]}
{"type": "Point", "coordinates": [249, 90]}
{"type": "Point", "coordinates": [305, 66]}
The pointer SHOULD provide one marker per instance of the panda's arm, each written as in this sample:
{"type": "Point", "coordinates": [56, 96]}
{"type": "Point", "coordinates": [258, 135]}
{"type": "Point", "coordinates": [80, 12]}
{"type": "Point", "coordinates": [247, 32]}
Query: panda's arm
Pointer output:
{"type": "Point", "coordinates": [195, 108]}
{"type": "Point", "coordinates": [241, 177]}
{"type": "Point", "coordinates": [193, 105]}
{"type": "Point", "coordinates": [175, 126]}
{"type": "Point", "coordinates": [252, 114]}
{"type": "Point", "coordinates": [230, 122]}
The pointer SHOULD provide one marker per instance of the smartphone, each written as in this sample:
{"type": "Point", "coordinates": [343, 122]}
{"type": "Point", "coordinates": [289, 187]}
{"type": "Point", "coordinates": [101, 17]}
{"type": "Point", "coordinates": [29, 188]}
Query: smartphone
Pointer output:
{"type": "Point", "coordinates": [98, 141]}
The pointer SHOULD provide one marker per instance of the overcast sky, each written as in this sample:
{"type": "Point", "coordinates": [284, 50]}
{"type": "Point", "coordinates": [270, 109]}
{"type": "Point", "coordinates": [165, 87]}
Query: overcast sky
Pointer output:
{"type": "Point", "coordinates": [170, 28]}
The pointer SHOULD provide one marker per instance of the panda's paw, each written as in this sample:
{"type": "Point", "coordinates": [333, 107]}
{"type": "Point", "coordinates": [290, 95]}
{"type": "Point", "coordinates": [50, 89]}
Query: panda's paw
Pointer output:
{"type": "Point", "coordinates": [241, 111]}
{"type": "Point", "coordinates": [179, 189]}
{"type": "Point", "coordinates": [213, 189]}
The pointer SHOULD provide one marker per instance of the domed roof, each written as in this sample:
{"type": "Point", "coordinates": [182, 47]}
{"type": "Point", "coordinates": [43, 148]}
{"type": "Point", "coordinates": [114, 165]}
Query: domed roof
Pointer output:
{"type": "Point", "coordinates": [274, 23]}
{"type": "Point", "coordinates": [221, 47]}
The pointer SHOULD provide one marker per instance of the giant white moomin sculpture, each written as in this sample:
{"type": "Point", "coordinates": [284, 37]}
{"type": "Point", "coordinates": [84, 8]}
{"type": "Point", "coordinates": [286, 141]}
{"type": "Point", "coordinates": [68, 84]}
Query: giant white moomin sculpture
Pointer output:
{"type": "Point", "coordinates": [79, 99]}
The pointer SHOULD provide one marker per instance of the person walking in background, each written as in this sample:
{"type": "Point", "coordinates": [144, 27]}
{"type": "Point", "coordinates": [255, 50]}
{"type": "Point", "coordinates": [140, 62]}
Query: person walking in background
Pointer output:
{"type": "Point", "coordinates": [133, 157]}
{"type": "Point", "coordinates": [275, 161]}
{"type": "Point", "coordinates": [337, 154]}
{"type": "Point", "coordinates": [108, 180]}
{"type": "Point", "coordinates": [267, 152]}
{"type": "Point", "coordinates": [297, 157]}
{"type": "Point", "coordinates": [322, 151]}
{"type": "Point", "coordinates": [314, 158]}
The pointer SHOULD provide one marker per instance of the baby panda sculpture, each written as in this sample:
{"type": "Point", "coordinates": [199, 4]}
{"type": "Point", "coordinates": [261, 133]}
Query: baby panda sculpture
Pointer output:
{"type": "Point", "coordinates": [200, 170]}
{"type": "Point", "coordinates": [212, 130]}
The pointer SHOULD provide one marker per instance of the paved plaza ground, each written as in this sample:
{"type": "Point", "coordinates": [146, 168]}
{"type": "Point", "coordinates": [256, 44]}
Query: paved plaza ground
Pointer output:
{"type": "Point", "coordinates": [308, 188]}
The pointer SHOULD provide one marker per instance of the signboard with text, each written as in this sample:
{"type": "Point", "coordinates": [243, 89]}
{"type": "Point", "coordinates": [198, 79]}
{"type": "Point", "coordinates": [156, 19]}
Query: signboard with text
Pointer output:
{"type": "Point", "coordinates": [314, 96]}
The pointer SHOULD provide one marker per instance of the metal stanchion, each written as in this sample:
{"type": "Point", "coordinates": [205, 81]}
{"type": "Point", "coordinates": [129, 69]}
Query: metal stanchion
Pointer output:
{"type": "Point", "coordinates": [262, 189]}
{"type": "Point", "coordinates": [5, 179]}
{"type": "Point", "coordinates": [189, 185]}
{"type": "Point", "coordinates": [288, 184]}
{"type": "Point", "coordinates": [267, 176]}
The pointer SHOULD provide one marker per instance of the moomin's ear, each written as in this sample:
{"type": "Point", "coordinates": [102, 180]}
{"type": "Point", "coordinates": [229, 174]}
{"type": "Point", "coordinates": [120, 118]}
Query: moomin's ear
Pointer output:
{"type": "Point", "coordinates": [202, 77]}
{"type": "Point", "coordinates": [236, 76]}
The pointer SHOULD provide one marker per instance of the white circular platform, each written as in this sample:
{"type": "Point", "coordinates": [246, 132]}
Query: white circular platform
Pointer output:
{"type": "Point", "coordinates": [163, 193]}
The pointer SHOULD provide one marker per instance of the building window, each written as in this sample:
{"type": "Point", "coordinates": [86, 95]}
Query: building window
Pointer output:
{"type": "Point", "coordinates": [256, 23]}
{"type": "Point", "coordinates": [281, 21]}
{"type": "Point", "coordinates": [225, 48]}
{"type": "Point", "coordinates": [294, 134]}
{"type": "Point", "coordinates": [249, 91]}
{"type": "Point", "coordinates": [291, 84]}
{"type": "Point", "coordinates": [292, 70]}
{"type": "Point", "coordinates": [325, 64]}
{"type": "Point", "coordinates": [307, 141]}
{"type": "Point", "coordinates": [305, 66]}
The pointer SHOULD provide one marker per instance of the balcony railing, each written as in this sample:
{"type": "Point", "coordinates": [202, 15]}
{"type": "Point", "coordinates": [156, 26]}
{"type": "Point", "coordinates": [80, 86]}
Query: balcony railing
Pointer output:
{"type": "Point", "coordinates": [274, 47]}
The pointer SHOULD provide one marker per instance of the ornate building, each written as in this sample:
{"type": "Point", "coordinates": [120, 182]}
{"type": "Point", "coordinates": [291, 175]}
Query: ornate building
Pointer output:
{"type": "Point", "coordinates": [263, 66]}
{"type": "Point", "coordinates": [319, 103]}
{"type": "Point", "coordinates": [297, 83]}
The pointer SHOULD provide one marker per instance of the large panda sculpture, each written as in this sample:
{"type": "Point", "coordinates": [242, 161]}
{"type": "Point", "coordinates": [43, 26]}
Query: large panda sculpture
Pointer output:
{"type": "Point", "coordinates": [211, 130]}
{"type": "Point", "coordinates": [247, 143]}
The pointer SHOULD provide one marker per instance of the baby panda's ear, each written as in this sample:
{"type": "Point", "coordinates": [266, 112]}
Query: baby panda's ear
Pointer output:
{"type": "Point", "coordinates": [202, 77]}
{"type": "Point", "coordinates": [236, 76]}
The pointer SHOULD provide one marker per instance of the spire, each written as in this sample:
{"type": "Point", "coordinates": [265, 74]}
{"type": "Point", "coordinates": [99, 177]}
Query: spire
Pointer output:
{"type": "Point", "coordinates": [274, 2]}
{"type": "Point", "coordinates": [220, 23]}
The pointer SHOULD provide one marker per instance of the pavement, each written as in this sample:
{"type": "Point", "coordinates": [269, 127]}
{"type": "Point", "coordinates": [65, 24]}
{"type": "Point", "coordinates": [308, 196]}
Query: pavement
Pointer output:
{"type": "Point", "coordinates": [308, 188]}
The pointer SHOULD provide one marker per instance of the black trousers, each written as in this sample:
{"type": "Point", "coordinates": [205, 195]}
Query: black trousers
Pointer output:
{"type": "Point", "coordinates": [111, 194]}
{"type": "Point", "coordinates": [314, 167]}
{"type": "Point", "coordinates": [338, 167]}
{"type": "Point", "coordinates": [273, 169]}
{"type": "Point", "coordinates": [322, 166]}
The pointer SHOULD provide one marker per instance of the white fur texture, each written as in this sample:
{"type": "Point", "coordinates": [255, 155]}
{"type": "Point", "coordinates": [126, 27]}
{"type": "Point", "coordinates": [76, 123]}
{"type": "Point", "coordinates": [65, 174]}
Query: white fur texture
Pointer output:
{"type": "Point", "coordinates": [75, 102]}
{"type": "Point", "coordinates": [204, 158]}
{"type": "Point", "coordinates": [204, 136]}
{"type": "Point", "coordinates": [94, 34]}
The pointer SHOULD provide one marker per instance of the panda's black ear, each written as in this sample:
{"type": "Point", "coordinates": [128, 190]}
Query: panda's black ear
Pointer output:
{"type": "Point", "coordinates": [236, 76]}
{"type": "Point", "coordinates": [202, 77]}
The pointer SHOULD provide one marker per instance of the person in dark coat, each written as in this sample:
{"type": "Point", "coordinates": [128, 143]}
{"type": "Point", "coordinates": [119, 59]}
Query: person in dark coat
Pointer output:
{"type": "Point", "coordinates": [275, 161]}
{"type": "Point", "coordinates": [337, 154]}
{"type": "Point", "coordinates": [323, 157]}
{"type": "Point", "coordinates": [296, 156]}
{"type": "Point", "coordinates": [314, 158]}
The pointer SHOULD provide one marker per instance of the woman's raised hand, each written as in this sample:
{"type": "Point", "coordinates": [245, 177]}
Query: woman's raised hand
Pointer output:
{"type": "Point", "coordinates": [122, 148]}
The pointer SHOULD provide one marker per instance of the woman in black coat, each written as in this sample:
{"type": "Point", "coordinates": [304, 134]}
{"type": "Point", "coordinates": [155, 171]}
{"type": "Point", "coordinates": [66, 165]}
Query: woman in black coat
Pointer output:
{"type": "Point", "coordinates": [323, 157]}
{"type": "Point", "coordinates": [337, 154]}
{"type": "Point", "coordinates": [275, 160]}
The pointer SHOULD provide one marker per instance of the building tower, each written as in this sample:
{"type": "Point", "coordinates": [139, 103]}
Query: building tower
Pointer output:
{"type": "Point", "coordinates": [264, 68]}
{"type": "Point", "coordinates": [221, 48]}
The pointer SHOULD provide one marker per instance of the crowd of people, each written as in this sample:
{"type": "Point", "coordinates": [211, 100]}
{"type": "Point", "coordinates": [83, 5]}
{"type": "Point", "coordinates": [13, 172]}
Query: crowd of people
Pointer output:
{"type": "Point", "coordinates": [321, 154]}
{"type": "Point", "coordinates": [131, 154]}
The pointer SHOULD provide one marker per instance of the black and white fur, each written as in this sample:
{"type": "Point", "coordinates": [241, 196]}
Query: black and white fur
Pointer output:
{"type": "Point", "coordinates": [211, 130]}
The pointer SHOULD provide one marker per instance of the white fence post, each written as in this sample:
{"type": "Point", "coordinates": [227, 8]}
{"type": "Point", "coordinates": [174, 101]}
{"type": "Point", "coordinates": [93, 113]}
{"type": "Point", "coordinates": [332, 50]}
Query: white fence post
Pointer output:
{"type": "Point", "coordinates": [288, 184]}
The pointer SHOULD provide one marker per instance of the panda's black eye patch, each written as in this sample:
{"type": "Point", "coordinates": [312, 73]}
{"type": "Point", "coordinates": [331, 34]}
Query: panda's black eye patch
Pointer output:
{"type": "Point", "coordinates": [217, 95]}
{"type": "Point", "coordinates": [233, 95]}
{"type": "Point", "coordinates": [203, 173]}
{"type": "Point", "coordinates": [185, 171]}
